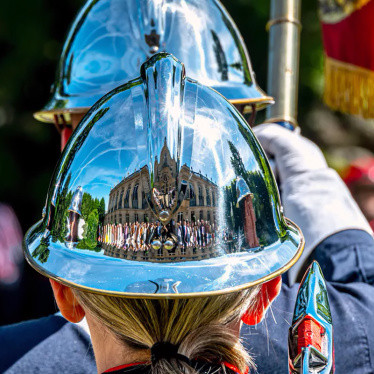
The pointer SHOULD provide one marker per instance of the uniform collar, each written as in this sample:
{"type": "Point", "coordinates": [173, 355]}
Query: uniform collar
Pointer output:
{"type": "Point", "coordinates": [120, 368]}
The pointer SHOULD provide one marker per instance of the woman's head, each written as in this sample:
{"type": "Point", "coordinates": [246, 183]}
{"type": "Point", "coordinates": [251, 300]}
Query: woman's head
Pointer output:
{"type": "Point", "coordinates": [204, 328]}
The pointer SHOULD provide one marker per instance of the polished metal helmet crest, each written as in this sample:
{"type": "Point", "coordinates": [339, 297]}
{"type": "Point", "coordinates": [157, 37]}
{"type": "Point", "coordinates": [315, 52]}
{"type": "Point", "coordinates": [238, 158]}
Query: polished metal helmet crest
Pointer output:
{"type": "Point", "coordinates": [163, 190]}
{"type": "Point", "coordinates": [110, 39]}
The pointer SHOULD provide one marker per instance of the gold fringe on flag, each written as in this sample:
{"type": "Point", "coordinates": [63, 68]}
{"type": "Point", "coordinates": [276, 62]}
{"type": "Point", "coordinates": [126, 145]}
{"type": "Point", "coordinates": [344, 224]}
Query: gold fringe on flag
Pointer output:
{"type": "Point", "coordinates": [358, 4]}
{"type": "Point", "coordinates": [349, 88]}
{"type": "Point", "coordinates": [338, 10]}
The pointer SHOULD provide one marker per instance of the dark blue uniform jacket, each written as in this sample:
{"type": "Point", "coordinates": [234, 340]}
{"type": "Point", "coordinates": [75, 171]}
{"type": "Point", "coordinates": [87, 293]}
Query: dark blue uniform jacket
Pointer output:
{"type": "Point", "coordinates": [53, 345]}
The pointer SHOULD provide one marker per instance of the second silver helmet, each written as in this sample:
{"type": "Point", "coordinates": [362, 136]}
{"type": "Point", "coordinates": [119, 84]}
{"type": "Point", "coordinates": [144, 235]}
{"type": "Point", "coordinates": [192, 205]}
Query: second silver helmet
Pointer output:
{"type": "Point", "coordinates": [110, 39]}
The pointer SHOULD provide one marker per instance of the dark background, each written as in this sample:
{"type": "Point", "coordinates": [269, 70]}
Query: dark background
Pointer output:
{"type": "Point", "coordinates": [32, 34]}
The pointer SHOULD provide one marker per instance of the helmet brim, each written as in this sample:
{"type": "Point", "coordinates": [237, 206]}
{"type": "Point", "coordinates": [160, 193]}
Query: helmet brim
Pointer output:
{"type": "Point", "coordinates": [93, 272]}
{"type": "Point", "coordinates": [48, 116]}
{"type": "Point", "coordinates": [239, 94]}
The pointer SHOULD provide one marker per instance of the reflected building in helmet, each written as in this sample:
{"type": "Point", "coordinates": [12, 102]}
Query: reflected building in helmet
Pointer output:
{"type": "Point", "coordinates": [128, 200]}
{"type": "Point", "coordinates": [174, 218]}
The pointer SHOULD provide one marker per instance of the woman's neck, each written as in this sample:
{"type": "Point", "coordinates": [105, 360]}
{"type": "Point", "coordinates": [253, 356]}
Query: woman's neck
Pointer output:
{"type": "Point", "coordinates": [109, 351]}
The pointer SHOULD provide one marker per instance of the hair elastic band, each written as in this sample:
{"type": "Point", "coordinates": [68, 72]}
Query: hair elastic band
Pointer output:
{"type": "Point", "coordinates": [166, 350]}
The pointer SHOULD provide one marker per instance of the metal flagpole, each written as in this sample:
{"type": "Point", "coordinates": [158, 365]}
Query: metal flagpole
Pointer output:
{"type": "Point", "coordinates": [283, 70]}
{"type": "Point", "coordinates": [311, 346]}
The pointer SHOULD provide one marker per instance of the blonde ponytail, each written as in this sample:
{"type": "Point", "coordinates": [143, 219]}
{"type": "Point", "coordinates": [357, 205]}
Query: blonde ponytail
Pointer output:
{"type": "Point", "coordinates": [198, 326]}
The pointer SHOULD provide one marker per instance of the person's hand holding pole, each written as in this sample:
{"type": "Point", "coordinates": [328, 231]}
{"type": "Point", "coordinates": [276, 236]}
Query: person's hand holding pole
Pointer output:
{"type": "Point", "coordinates": [313, 195]}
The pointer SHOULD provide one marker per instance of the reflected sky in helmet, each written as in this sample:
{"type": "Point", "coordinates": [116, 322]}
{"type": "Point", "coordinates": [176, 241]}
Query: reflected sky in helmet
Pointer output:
{"type": "Point", "coordinates": [112, 141]}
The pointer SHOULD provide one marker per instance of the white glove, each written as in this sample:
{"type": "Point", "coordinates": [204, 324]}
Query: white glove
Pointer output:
{"type": "Point", "coordinates": [313, 195]}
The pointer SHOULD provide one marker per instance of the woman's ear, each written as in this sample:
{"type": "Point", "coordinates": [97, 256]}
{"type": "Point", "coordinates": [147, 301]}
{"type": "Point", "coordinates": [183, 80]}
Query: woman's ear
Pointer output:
{"type": "Point", "coordinates": [268, 292]}
{"type": "Point", "coordinates": [67, 302]}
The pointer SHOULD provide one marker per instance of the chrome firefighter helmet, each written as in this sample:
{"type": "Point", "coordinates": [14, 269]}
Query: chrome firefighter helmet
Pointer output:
{"type": "Point", "coordinates": [163, 191]}
{"type": "Point", "coordinates": [110, 39]}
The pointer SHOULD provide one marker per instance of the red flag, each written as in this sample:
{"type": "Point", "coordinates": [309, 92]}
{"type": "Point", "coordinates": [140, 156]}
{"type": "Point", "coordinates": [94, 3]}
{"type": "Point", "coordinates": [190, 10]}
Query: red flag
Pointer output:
{"type": "Point", "coordinates": [348, 38]}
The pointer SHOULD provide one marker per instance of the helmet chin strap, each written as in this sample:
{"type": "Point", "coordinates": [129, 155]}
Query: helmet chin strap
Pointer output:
{"type": "Point", "coordinates": [251, 119]}
{"type": "Point", "coordinates": [63, 129]}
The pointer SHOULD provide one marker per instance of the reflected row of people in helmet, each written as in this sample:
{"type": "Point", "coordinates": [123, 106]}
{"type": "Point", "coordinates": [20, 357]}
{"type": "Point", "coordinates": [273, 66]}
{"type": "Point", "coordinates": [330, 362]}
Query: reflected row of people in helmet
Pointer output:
{"type": "Point", "coordinates": [146, 236]}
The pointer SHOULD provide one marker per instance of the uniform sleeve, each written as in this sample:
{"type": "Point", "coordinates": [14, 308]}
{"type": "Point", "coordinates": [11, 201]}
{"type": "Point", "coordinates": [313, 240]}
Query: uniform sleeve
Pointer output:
{"type": "Point", "coordinates": [351, 296]}
{"type": "Point", "coordinates": [347, 257]}
{"type": "Point", "coordinates": [49, 345]}
{"type": "Point", "coordinates": [18, 339]}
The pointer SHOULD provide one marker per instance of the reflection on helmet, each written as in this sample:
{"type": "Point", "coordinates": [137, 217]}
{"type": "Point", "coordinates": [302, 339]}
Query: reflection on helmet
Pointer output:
{"type": "Point", "coordinates": [163, 180]}
{"type": "Point", "coordinates": [110, 39]}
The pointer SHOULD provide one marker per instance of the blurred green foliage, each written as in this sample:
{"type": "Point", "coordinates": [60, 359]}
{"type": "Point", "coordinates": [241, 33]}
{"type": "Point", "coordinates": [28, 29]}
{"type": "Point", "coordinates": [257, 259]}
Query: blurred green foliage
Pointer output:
{"type": "Point", "coordinates": [31, 38]}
